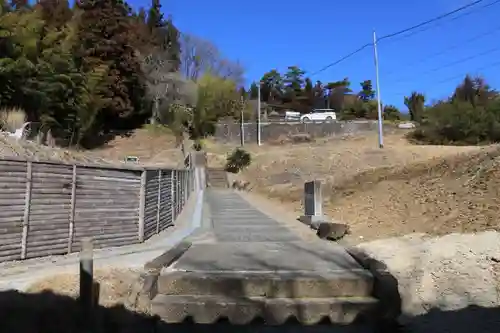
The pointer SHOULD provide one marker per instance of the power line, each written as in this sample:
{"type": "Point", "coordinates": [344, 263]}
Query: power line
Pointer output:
{"type": "Point", "coordinates": [342, 59]}
{"type": "Point", "coordinates": [456, 62]}
{"type": "Point", "coordinates": [440, 17]}
{"type": "Point", "coordinates": [458, 76]}
{"type": "Point", "coordinates": [439, 23]}
{"type": "Point", "coordinates": [450, 48]}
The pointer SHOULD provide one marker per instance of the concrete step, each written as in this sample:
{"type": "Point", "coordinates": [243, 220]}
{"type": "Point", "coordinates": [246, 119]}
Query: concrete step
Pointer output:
{"type": "Point", "coordinates": [217, 178]}
{"type": "Point", "coordinates": [275, 311]}
{"type": "Point", "coordinates": [342, 283]}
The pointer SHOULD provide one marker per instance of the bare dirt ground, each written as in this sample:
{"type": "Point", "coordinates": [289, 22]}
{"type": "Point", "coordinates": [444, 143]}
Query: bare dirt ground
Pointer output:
{"type": "Point", "coordinates": [381, 193]}
{"type": "Point", "coordinates": [428, 212]}
{"type": "Point", "coordinates": [153, 146]}
{"type": "Point", "coordinates": [114, 285]}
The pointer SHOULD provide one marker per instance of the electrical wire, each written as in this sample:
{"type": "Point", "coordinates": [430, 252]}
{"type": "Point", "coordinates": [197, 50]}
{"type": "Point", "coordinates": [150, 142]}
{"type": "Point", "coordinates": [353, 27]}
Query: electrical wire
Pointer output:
{"type": "Point", "coordinates": [440, 23]}
{"type": "Point", "coordinates": [455, 77]}
{"type": "Point", "coordinates": [440, 17]}
{"type": "Point", "coordinates": [450, 64]}
{"type": "Point", "coordinates": [450, 48]}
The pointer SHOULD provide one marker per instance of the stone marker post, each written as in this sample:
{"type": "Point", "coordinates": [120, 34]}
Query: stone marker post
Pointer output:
{"type": "Point", "coordinates": [313, 204]}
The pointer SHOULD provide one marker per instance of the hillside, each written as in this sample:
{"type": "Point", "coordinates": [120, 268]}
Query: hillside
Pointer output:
{"type": "Point", "coordinates": [152, 147]}
{"type": "Point", "coordinates": [400, 189]}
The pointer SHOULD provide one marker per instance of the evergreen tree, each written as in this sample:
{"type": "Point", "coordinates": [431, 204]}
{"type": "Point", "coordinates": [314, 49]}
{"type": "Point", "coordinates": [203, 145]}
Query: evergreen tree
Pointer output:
{"type": "Point", "coordinates": [105, 39]}
{"type": "Point", "coordinates": [56, 13]}
{"type": "Point", "coordinates": [155, 17]}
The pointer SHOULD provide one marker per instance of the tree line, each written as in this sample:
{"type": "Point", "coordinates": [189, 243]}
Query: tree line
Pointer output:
{"type": "Point", "coordinates": [470, 115]}
{"type": "Point", "coordinates": [85, 71]}
{"type": "Point", "coordinates": [295, 91]}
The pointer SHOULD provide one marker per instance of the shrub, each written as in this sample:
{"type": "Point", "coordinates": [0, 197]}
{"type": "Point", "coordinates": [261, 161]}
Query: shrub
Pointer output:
{"type": "Point", "coordinates": [459, 123]}
{"type": "Point", "coordinates": [238, 160]}
{"type": "Point", "coordinates": [198, 145]}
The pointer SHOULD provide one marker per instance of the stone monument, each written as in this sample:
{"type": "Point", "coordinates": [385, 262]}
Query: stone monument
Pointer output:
{"type": "Point", "coordinates": [313, 204]}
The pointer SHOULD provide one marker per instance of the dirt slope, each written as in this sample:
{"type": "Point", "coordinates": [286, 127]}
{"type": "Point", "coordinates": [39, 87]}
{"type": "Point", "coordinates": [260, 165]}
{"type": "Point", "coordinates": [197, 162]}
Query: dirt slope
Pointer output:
{"type": "Point", "coordinates": [454, 194]}
{"type": "Point", "coordinates": [152, 146]}
{"type": "Point", "coordinates": [398, 190]}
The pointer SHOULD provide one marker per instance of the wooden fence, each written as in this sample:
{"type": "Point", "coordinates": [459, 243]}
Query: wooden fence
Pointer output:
{"type": "Point", "coordinates": [46, 208]}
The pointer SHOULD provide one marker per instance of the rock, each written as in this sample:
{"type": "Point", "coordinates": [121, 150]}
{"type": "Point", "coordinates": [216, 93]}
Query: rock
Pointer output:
{"type": "Point", "coordinates": [240, 185]}
{"type": "Point", "coordinates": [332, 231]}
{"type": "Point", "coordinates": [406, 125]}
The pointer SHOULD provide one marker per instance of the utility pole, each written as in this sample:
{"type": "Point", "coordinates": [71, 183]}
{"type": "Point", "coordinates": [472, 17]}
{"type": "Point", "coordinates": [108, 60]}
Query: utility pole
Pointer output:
{"type": "Point", "coordinates": [242, 129]}
{"type": "Point", "coordinates": [258, 114]}
{"type": "Point", "coordinates": [379, 102]}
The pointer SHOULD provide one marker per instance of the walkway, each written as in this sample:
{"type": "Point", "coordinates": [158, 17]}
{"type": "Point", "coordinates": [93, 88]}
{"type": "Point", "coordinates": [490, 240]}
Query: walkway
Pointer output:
{"type": "Point", "coordinates": [256, 267]}
{"type": "Point", "coordinates": [235, 220]}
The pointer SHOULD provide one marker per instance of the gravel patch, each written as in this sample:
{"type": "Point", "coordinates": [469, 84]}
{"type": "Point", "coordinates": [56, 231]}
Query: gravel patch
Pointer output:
{"type": "Point", "coordinates": [443, 280]}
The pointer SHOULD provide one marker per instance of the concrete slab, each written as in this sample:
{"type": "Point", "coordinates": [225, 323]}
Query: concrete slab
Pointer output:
{"type": "Point", "coordinates": [254, 229]}
{"type": "Point", "coordinates": [270, 285]}
{"type": "Point", "coordinates": [209, 309]}
{"type": "Point", "coordinates": [255, 237]}
{"type": "Point", "coordinates": [268, 257]}
{"type": "Point", "coordinates": [246, 222]}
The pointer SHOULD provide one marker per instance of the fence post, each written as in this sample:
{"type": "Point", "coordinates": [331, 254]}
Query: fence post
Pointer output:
{"type": "Point", "coordinates": [72, 211]}
{"type": "Point", "coordinates": [158, 203]}
{"type": "Point", "coordinates": [177, 191]}
{"type": "Point", "coordinates": [186, 185]}
{"type": "Point", "coordinates": [87, 296]}
{"type": "Point", "coordinates": [172, 195]}
{"type": "Point", "coordinates": [27, 206]}
{"type": "Point", "coordinates": [181, 185]}
{"type": "Point", "coordinates": [142, 205]}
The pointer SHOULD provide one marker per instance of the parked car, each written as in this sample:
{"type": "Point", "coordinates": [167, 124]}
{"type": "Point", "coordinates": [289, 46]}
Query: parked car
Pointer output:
{"type": "Point", "coordinates": [319, 115]}
{"type": "Point", "coordinates": [292, 116]}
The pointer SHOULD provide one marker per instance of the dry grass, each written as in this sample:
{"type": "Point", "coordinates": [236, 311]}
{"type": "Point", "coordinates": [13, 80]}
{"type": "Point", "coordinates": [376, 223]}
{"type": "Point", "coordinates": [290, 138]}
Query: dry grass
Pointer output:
{"type": "Point", "coordinates": [12, 119]}
{"type": "Point", "coordinates": [115, 285]}
{"type": "Point", "coordinates": [10, 147]}
{"type": "Point", "coordinates": [400, 189]}
{"type": "Point", "coordinates": [153, 146]}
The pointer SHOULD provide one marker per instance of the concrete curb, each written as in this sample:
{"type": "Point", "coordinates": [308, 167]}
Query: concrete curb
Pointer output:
{"type": "Point", "coordinates": [385, 287]}
{"type": "Point", "coordinates": [146, 288]}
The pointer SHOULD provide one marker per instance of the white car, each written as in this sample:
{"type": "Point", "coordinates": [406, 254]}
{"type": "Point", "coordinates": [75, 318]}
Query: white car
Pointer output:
{"type": "Point", "coordinates": [292, 116]}
{"type": "Point", "coordinates": [319, 115]}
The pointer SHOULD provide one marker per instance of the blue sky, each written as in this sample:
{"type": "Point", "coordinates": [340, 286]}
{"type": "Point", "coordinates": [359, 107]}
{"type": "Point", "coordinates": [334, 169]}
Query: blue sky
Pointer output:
{"type": "Point", "coordinates": [266, 34]}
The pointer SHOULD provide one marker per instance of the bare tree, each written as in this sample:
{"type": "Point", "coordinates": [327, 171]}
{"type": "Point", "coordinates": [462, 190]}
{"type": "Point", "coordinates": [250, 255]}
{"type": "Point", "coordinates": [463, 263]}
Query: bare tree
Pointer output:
{"type": "Point", "coordinates": [199, 56]}
{"type": "Point", "coordinates": [173, 96]}
{"type": "Point", "coordinates": [166, 88]}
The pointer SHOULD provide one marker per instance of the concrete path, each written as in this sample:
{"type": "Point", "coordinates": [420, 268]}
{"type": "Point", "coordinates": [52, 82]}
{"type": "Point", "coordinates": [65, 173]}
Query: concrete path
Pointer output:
{"type": "Point", "coordinates": [235, 220]}
{"type": "Point", "coordinates": [245, 264]}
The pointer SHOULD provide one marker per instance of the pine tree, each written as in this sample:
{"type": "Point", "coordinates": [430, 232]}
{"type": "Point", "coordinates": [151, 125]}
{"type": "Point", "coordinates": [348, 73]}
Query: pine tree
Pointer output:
{"type": "Point", "coordinates": [173, 46]}
{"type": "Point", "coordinates": [105, 39]}
{"type": "Point", "coordinates": [155, 17]}
{"type": "Point", "coordinates": [56, 13]}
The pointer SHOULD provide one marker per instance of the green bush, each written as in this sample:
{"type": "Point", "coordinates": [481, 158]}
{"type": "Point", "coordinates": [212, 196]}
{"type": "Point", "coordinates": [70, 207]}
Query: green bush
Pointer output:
{"type": "Point", "coordinates": [459, 123]}
{"type": "Point", "coordinates": [198, 145]}
{"type": "Point", "coordinates": [238, 160]}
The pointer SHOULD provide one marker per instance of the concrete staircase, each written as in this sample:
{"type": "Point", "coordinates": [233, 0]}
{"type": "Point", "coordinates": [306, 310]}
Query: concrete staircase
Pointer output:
{"type": "Point", "coordinates": [249, 290]}
{"type": "Point", "coordinates": [249, 270]}
{"type": "Point", "coordinates": [217, 178]}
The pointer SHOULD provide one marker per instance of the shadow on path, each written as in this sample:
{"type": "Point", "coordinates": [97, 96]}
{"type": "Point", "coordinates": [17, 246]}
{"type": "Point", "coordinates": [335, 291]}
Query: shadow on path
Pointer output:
{"type": "Point", "coordinates": [48, 312]}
